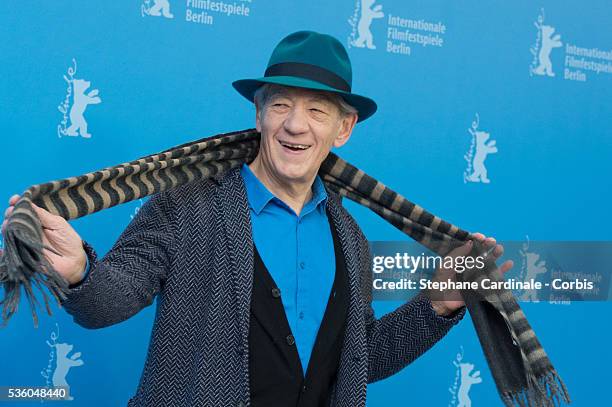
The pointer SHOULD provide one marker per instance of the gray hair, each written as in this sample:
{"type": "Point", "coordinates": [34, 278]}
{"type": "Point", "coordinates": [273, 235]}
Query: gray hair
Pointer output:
{"type": "Point", "coordinates": [265, 92]}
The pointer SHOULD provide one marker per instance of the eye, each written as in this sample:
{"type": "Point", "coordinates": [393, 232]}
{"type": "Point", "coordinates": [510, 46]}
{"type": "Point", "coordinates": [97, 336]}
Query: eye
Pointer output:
{"type": "Point", "coordinates": [279, 104]}
{"type": "Point", "coordinates": [316, 110]}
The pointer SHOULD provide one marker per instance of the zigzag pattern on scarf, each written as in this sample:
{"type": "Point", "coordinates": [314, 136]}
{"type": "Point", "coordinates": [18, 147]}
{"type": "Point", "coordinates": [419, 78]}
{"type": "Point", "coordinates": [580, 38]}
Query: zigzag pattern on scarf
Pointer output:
{"type": "Point", "coordinates": [23, 264]}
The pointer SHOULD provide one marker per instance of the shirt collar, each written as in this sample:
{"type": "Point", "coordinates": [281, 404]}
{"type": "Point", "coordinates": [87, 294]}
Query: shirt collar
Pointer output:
{"type": "Point", "coordinates": [259, 195]}
{"type": "Point", "coordinates": [319, 196]}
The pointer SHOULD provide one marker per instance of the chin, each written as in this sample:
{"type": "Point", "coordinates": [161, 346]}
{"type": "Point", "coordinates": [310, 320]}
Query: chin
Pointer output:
{"type": "Point", "coordinates": [293, 172]}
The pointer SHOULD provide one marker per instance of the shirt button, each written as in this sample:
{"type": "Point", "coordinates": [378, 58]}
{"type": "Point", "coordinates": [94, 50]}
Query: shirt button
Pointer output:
{"type": "Point", "coordinates": [301, 314]}
{"type": "Point", "coordinates": [290, 340]}
{"type": "Point", "coordinates": [276, 292]}
{"type": "Point", "coordinates": [302, 265]}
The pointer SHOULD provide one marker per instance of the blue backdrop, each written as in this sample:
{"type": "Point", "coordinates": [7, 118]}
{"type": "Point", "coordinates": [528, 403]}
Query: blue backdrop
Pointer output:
{"type": "Point", "coordinates": [494, 115]}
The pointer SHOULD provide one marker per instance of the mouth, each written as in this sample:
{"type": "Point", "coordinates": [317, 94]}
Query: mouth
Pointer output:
{"type": "Point", "coordinates": [294, 147]}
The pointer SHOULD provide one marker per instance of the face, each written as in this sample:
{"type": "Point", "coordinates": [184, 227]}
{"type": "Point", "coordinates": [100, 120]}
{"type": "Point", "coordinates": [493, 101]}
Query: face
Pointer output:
{"type": "Point", "coordinates": [298, 129]}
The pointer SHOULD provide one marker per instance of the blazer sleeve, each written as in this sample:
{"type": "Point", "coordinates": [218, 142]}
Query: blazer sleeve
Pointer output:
{"type": "Point", "coordinates": [129, 276]}
{"type": "Point", "coordinates": [399, 337]}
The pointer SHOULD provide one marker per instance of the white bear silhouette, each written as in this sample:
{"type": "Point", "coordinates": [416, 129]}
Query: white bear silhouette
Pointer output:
{"type": "Point", "coordinates": [64, 364]}
{"type": "Point", "coordinates": [368, 13]}
{"type": "Point", "coordinates": [81, 100]}
{"type": "Point", "coordinates": [467, 380]}
{"type": "Point", "coordinates": [482, 150]}
{"type": "Point", "coordinates": [534, 266]}
{"type": "Point", "coordinates": [548, 43]}
{"type": "Point", "coordinates": [163, 6]}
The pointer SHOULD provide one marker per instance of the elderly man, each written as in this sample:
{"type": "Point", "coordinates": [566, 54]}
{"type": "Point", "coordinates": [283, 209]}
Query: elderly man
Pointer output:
{"type": "Point", "coordinates": [263, 278]}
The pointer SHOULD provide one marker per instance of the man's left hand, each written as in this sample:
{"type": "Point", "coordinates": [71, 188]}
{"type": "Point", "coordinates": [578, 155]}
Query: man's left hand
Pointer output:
{"type": "Point", "coordinates": [449, 301]}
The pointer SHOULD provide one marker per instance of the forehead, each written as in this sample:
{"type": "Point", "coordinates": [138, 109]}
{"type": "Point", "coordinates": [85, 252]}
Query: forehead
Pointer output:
{"type": "Point", "coordinates": [310, 94]}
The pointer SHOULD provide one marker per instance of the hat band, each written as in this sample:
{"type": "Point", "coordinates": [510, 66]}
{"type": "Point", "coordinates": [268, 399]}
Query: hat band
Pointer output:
{"type": "Point", "coordinates": [308, 71]}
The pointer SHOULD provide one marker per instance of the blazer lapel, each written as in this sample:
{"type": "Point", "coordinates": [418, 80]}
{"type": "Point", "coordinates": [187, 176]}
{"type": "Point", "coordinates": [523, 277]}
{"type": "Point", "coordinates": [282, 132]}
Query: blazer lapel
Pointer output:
{"type": "Point", "coordinates": [353, 357]}
{"type": "Point", "coordinates": [233, 209]}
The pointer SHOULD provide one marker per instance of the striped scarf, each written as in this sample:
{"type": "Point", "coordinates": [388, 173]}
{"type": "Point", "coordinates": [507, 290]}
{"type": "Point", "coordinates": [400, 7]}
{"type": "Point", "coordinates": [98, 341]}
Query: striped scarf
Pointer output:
{"type": "Point", "coordinates": [522, 371]}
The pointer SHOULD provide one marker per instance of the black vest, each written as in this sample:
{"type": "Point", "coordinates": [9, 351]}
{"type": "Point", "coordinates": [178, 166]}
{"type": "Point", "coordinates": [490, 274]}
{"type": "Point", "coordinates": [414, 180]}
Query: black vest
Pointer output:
{"type": "Point", "coordinates": [275, 372]}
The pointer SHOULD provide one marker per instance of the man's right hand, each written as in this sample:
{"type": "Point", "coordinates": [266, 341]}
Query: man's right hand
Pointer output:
{"type": "Point", "coordinates": [59, 235]}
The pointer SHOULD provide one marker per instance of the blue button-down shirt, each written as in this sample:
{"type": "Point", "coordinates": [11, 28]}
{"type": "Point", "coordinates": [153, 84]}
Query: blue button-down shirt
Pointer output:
{"type": "Point", "coordinates": [298, 251]}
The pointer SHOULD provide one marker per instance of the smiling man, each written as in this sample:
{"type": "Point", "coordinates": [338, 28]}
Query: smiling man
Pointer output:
{"type": "Point", "coordinates": [263, 279]}
{"type": "Point", "coordinates": [300, 127]}
{"type": "Point", "coordinates": [304, 107]}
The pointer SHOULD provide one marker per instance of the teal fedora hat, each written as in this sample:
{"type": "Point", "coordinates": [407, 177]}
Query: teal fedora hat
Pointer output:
{"type": "Point", "coordinates": [311, 60]}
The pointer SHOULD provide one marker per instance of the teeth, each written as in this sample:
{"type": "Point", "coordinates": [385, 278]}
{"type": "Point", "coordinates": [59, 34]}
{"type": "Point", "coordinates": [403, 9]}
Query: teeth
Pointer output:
{"type": "Point", "coordinates": [300, 146]}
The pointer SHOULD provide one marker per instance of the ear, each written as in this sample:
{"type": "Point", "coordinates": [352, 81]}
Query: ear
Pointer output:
{"type": "Point", "coordinates": [257, 118]}
{"type": "Point", "coordinates": [346, 128]}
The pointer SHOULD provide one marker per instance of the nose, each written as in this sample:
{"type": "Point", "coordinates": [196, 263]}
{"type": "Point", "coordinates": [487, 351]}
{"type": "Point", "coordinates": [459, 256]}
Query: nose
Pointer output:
{"type": "Point", "coordinates": [296, 121]}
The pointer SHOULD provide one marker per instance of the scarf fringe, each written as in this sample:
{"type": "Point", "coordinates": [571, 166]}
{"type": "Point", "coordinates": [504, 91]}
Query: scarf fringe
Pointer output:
{"type": "Point", "coordinates": [547, 390]}
{"type": "Point", "coordinates": [24, 264]}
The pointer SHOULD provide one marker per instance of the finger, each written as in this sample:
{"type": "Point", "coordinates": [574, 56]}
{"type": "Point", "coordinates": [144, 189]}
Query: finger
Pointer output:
{"type": "Point", "coordinates": [13, 199]}
{"type": "Point", "coordinates": [478, 236]}
{"type": "Point", "coordinates": [462, 250]}
{"type": "Point", "coordinates": [490, 241]}
{"type": "Point", "coordinates": [498, 251]}
{"type": "Point", "coordinates": [488, 244]}
{"type": "Point", "coordinates": [45, 240]}
{"type": "Point", "coordinates": [507, 265]}
{"type": "Point", "coordinates": [48, 253]}
{"type": "Point", "coordinates": [8, 211]}
{"type": "Point", "coordinates": [47, 219]}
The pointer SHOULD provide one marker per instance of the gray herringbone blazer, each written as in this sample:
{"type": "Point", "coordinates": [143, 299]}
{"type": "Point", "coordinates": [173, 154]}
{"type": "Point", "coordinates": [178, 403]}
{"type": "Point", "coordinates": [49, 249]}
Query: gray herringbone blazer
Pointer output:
{"type": "Point", "coordinates": [192, 247]}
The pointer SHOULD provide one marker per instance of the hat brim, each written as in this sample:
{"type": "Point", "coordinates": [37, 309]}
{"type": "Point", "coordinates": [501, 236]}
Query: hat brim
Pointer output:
{"type": "Point", "coordinates": [366, 107]}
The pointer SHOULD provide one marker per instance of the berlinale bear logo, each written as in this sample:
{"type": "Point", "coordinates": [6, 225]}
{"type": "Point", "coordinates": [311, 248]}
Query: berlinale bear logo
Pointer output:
{"type": "Point", "coordinates": [78, 125]}
{"type": "Point", "coordinates": [545, 42]}
{"type": "Point", "coordinates": [465, 378]}
{"type": "Point", "coordinates": [361, 36]}
{"type": "Point", "coordinates": [480, 148]}
{"type": "Point", "coordinates": [548, 43]}
{"type": "Point", "coordinates": [159, 8]}
{"type": "Point", "coordinates": [60, 363]}
{"type": "Point", "coordinates": [75, 93]}
{"type": "Point", "coordinates": [532, 266]}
